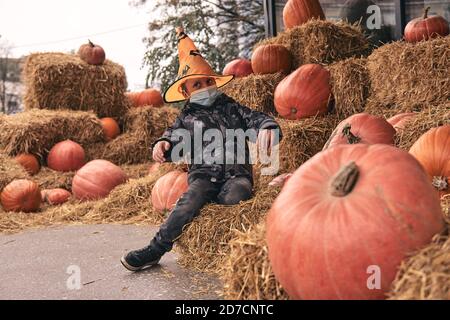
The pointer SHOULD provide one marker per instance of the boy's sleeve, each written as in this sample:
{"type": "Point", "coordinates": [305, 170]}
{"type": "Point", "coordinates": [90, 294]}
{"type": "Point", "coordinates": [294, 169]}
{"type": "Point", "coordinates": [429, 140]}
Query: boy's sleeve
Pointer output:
{"type": "Point", "coordinates": [168, 135]}
{"type": "Point", "coordinates": [258, 120]}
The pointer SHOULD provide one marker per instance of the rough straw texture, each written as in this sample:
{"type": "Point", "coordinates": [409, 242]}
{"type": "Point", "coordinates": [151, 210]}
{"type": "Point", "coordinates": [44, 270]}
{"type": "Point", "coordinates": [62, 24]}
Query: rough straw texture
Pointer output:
{"type": "Point", "coordinates": [47, 178]}
{"type": "Point", "coordinates": [302, 139]}
{"type": "Point", "coordinates": [350, 86]}
{"type": "Point", "coordinates": [247, 273]}
{"type": "Point", "coordinates": [142, 126]}
{"type": "Point", "coordinates": [404, 74]}
{"type": "Point", "coordinates": [37, 131]}
{"type": "Point", "coordinates": [64, 81]}
{"type": "Point", "coordinates": [204, 243]}
{"type": "Point", "coordinates": [421, 123]}
{"type": "Point", "coordinates": [10, 170]}
{"type": "Point", "coordinates": [323, 42]}
{"type": "Point", "coordinates": [255, 91]}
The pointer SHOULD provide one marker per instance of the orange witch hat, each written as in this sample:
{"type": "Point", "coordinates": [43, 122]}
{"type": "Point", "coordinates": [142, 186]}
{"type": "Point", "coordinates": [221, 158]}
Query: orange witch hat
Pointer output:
{"type": "Point", "coordinates": [192, 65]}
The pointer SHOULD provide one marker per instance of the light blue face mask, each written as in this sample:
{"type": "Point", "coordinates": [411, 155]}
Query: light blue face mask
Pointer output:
{"type": "Point", "coordinates": [205, 97]}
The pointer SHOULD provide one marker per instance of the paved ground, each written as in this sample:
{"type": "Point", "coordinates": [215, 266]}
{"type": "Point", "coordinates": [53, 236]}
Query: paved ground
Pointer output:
{"type": "Point", "coordinates": [45, 264]}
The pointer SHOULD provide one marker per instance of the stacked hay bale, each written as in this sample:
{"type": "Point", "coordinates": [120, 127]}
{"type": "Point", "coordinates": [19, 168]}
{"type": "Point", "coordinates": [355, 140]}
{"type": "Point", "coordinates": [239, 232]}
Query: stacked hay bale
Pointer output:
{"type": "Point", "coordinates": [409, 77]}
{"type": "Point", "coordinates": [63, 81]}
{"type": "Point", "coordinates": [142, 126]}
{"type": "Point", "coordinates": [36, 131]}
{"type": "Point", "coordinates": [10, 170]}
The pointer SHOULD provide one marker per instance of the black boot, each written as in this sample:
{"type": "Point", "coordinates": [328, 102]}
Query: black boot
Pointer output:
{"type": "Point", "coordinates": [140, 259]}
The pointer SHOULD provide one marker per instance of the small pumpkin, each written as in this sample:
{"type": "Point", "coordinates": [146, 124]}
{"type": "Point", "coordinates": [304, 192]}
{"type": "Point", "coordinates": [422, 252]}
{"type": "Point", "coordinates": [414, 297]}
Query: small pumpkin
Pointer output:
{"type": "Point", "coordinates": [346, 215]}
{"type": "Point", "coordinates": [150, 97]}
{"type": "Point", "coordinates": [304, 93]}
{"type": "Point", "coordinates": [29, 162]}
{"type": "Point", "coordinates": [96, 179]}
{"type": "Point", "coordinates": [168, 189]}
{"type": "Point", "coordinates": [400, 120]}
{"type": "Point", "coordinates": [362, 128]}
{"type": "Point", "coordinates": [92, 53]}
{"type": "Point", "coordinates": [426, 27]}
{"type": "Point", "coordinates": [110, 128]}
{"type": "Point", "coordinates": [21, 196]}
{"type": "Point", "coordinates": [432, 150]}
{"type": "Point", "coordinates": [297, 12]}
{"type": "Point", "coordinates": [271, 58]}
{"type": "Point", "coordinates": [66, 156]}
{"type": "Point", "coordinates": [239, 68]}
{"type": "Point", "coordinates": [55, 196]}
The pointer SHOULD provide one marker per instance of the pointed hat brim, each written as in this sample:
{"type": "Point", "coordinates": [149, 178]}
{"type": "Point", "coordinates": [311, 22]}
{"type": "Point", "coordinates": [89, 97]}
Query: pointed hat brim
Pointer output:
{"type": "Point", "coordinates": [173, 93]}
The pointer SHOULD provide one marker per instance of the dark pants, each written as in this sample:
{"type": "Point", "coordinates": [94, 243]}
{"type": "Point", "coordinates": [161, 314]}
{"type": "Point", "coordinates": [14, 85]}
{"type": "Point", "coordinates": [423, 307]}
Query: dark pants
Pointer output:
{"type": "Point", "coordinates": [199, 193]}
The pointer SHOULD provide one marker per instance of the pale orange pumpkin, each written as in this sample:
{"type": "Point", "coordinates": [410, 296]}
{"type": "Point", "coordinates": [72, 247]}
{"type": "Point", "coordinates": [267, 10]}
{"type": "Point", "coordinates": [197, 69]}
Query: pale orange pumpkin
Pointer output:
{"type": "Point", "coordinates": [426, 27]}
{"type": "Point", "coordinates": [297, 12]}
{"type": "Point", "coordinates": [96, 179]}
{"type": "Point", "coordinates": [306, 92]}
{"type": "Point", "coordinates": [271, 58]}
{"type": "Point", "coordinates": [168, 189]}
{"type": "Point", "coordinates": [400, 120]}
{"type": "Point", "coordinates": [55, 196]}
{"type": "Point", "coordinates": [66, 156]}
{"type": "Point", "coordinates": [432, 150]}
{"type": "Point", "coordinates": [239, 68]}
{"type": "Point", "coordinates": [150, 97]}
{"type": "Point", "coordinates": [110, 128]}
{"type": "Point", "coordinates": [21, 196]}
{"type": "Point", "coordinates": [362, 128]}
{"type": "Point", "coordinates": [348, 214]}
{"type": "Point", "coordinates": [29, 162]}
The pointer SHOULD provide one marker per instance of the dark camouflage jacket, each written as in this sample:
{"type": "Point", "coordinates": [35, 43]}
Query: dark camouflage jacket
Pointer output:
{"type": "Point", "coordinates": [225, 114]}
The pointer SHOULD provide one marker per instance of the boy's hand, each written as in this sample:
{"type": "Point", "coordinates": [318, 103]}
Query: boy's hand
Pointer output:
{"type": "Point", "coordinates": [266, 137]}
{"type": "Point", "coordinates": [159, 149]}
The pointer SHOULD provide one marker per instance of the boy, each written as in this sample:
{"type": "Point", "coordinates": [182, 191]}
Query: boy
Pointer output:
{"type": "Point", "coordinates": [206, 108]}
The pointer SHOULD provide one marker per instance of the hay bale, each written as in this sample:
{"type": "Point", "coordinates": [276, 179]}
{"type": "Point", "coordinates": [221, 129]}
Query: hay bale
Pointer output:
{"type": "Point", "coordinates": [204, 243]}
{"type": "Point", "coordinates": [421, 123]}
{"type": "Point", "coordinates": [323, 42]}
{"type": "Point", "coordinates": [47, 178]}
{"type": "Point", "coordinates": [425, 275]}
{"type": "Point", "coordinates": [410, 75]}
{"type": "Point", "coordinates": [350, 86]}
{"type": "Point", "coordinates": [10, 170]}
{"type": "Point", "coordinates": [302, 139]}
{"type": "Point", "coordinates": [142, 126]}
{"type": "Point", "coordinates": [255, 91]}
{"type": "Point", "coordinates": [64, 81]}
{"type": "Point", "coordinates": [36, 131]}
{"type": "Point", "coordinates": [247, 273]}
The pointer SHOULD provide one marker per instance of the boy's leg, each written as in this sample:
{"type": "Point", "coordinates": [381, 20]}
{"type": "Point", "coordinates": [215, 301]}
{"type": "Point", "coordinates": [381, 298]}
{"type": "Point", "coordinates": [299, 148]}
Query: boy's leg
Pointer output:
{"type": "Point", "coordinates": [235, 190]}
{"type": "Point", "coordinates": [199, 193]}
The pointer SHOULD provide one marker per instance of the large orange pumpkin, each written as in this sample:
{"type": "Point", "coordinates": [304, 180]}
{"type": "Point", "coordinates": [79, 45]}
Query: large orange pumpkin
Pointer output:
{"type": "Point", "coordinates": [297, 12]}
{"type": "Point", "coordinates": [347, 218]}
{"type": "Point", "coordinates": [304, 93]}
{"type": "Point", "coordinates": [96, 180]}
{"type": "Point", "coordinates": [432, 150]}
{"type": "Point", "coordinates": [21, 196]}
{"type": "Point", "coordinates": [55, 196]}
{"type": "Point", "coordinates": [271, 58]}
{"type": "Point", "coordinates": [168, 189]}
{"type": "Point", "coordinates": [110, 128]}
{"type": "Point", "coordinates": [400, 120]}
{"type": "Point", "coordinates": [29, 162]}
{"type": "Point", "coordinates": [362, 128]}
{"type": "Point", "coordinates": [425, 28]}
{"type": "Point", "coordinates": [66, 156]}
{"type": "Point", "coordinates": [239, 68]}
{"type": "Point", "coordinates": [150, 97]}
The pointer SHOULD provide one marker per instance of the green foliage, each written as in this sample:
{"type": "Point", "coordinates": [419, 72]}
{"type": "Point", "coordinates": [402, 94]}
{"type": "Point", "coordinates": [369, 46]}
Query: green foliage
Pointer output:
{"type": "Point", "coordinates": [222, 30]}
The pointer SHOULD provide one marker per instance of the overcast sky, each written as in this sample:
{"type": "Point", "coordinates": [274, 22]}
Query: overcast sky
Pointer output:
{"type": "Point", "coordinates": [45, 25]}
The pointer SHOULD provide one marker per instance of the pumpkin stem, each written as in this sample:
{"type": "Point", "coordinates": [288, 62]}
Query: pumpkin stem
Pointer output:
{"type": "Point", "coordinates": [425, 12]}
{"type": "Point", "coordinates": [440, 183]}
{"type": "Point", "coordinates": [91, 44]}
{"type": "Point", "coordinates": [351, 138]}
{"type": "Point", "coordinates": [345, 180]}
